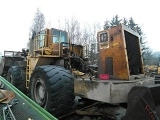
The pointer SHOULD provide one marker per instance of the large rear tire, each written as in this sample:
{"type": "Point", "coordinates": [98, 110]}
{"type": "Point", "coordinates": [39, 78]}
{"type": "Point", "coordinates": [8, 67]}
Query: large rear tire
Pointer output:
{"type": "Point", "coordinates": [16, 76]}
{"type": "Point", "coordinates": [52, 87]}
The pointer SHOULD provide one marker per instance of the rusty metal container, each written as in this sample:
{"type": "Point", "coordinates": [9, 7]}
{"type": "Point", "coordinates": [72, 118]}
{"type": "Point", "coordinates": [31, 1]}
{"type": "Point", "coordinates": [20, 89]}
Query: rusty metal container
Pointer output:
{"type": "Point", "coordinates": [119, 53]}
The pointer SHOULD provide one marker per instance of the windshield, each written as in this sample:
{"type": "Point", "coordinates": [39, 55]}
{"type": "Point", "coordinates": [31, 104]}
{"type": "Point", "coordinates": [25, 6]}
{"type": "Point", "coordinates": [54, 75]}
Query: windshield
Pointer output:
{"type": "Point", "coordinates": [41, 40]}
{"type": "Point", "coordinates": [59, 36]}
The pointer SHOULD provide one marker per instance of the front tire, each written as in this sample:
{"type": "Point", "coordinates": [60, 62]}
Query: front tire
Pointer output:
{"type": "Point", "coordinates": [52, 87]}
{"type": "Point", "coordinates": [16, 76]}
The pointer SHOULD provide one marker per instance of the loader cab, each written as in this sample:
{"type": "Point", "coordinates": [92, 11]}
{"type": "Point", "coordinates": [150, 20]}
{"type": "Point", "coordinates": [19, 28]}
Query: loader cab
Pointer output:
{"type": "Point", "coordinates": [55, 43]}
{"type": "Point", "coordinates": [59, 42]}
{"type": "Point", "coordinates": [49, 43]}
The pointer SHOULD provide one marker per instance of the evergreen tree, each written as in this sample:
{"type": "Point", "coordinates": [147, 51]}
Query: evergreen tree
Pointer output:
{"type": "Point", "coordinates": [115, 21]}
{"type": "Point", "coordinates": [125, 21]}
{"type": "Point", "coordinates": [106, 25]}
{"type": "Point", "coordinates": [131, 23]}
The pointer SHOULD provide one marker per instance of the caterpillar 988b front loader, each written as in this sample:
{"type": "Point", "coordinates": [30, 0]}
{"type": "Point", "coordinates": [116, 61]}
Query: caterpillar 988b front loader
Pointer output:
{"type": "Point", "coordinates": [46, 73]}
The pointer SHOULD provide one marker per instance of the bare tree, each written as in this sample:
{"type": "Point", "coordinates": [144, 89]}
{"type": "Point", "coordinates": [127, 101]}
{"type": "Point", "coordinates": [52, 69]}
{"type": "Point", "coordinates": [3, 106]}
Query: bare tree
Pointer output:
{"type": "Point", "coordinates": [86, 36]}
{"type": "Point", "coordinates": [73, 28]}
{"type": "Point", "coordinates": [93, 42]}
{"type": "Point", "coordinates": [38, 21]}
{"type": "Point", "coordinates": [37, 26]}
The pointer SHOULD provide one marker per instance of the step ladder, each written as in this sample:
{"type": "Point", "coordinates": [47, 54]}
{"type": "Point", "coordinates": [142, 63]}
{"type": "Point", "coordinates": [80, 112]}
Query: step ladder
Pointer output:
{"type": "Point", "coordinates": [28, 73]}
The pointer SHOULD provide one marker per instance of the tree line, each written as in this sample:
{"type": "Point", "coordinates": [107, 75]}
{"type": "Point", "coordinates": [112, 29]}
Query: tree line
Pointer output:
{"type": "Point", "coordinates": [87, 35]}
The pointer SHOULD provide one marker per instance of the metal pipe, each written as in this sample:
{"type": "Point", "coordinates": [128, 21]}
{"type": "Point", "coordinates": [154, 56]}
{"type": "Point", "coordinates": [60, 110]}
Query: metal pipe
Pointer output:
{"type": "Point", "coordinates": [11, 112]}
{"type": "Point", "coordinates": [4, 115]}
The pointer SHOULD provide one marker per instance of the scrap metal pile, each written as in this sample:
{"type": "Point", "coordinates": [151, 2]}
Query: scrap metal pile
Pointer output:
{"type": "Point", "coordinates": [14, 105]}
{"type": "Point", "coordinates": [7, 99]}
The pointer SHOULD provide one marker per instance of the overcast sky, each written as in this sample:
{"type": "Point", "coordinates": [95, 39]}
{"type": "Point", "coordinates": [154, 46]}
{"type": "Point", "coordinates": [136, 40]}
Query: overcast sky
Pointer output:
{"type": "Point", "coordinates": [17, 15]}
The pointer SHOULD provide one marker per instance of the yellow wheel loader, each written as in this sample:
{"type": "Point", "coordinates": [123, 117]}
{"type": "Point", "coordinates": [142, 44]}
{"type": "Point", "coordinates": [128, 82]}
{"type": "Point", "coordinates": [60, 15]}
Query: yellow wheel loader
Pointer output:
{"type": "Point", "coordinates": [44, 71]}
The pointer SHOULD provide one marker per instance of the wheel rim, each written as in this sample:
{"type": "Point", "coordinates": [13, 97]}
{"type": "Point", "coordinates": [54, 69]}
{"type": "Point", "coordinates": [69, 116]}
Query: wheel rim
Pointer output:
{"type": "Point", "coordinates": [40, 92]}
